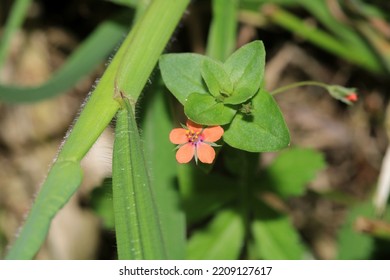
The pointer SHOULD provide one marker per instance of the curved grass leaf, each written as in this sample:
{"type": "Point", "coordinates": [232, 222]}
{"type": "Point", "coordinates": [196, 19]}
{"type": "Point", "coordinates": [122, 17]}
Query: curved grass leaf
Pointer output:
{"type": "Point", "coordinates": [137, 224]}
{"type": "Point", "coordinates": [326, 41]}
{"type": "Point", "coordinates": [63, 180]}
{"type": "Point", "coordinates": [92, 51]}
{"type": "Point", "coordinates": [353, 41]}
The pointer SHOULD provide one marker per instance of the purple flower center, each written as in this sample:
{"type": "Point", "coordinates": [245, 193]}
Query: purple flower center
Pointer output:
{"type": "Point", "coordinates": [194, 137]}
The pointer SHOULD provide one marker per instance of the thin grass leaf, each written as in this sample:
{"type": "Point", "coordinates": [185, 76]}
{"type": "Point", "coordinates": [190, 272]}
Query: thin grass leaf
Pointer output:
{"type": "Point", "coordinates": [14, 21]}
{"type": "Point", "coordinates": [137, 224]}
{"type": "Point", "coordinates": [140, 58]}
{"type": "Point", "coordinates": [322, 39]}
{"type": "Point", "coordinates": [223, 29]}
{"type": "Point", "coordinates": [91, 52]}
{"type": "Point", "coordinates": [353, 41]}
{"type": "Point", "coordinates": [379, 43]}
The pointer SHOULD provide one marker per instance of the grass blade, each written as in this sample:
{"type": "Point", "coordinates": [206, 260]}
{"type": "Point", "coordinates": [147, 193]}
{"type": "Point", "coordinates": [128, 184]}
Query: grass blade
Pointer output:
{"type": "Point", "coordinates": [14, 20]}
{"type": "Point", "coordinates": [321, 38]}
{"type": "Point", "coordinates": [138, 231]}
{"type": "Point", "coordinates": [223, 29]}
{"type": "Point", "coordinates": [93, 51]}
{"type": "Point", "coordinates": [66, 177]}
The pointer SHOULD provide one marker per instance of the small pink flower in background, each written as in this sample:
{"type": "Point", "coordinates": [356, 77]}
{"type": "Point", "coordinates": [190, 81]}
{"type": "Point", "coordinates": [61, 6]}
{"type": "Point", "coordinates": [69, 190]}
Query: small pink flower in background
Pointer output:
{"type": "Point", "coordinates": [195, 141]}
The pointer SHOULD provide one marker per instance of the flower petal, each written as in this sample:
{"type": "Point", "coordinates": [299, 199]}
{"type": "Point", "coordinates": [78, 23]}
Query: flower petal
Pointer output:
{"type": "Point", "coordinates": [185, 153]}
{"type": "Point", "coordinates": [178, 136]}
{"type": "Point", "coordinates": [194, 126]}
{"type": "Point", "coordinates": [205, 153]}
{"type": "Point", "coordinates": [212, 134]}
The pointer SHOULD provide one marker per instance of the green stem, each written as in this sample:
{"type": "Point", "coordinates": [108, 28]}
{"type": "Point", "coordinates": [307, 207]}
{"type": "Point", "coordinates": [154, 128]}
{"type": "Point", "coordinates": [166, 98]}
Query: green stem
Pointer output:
{"type": "Point", "coordinates": [247, 174]}
{"type": "Point", "coordinates": [128, 73]}
{"type": "Point", "coordinates": [244, 185]}
{"type": "Point", "coordinates": [298, 84]}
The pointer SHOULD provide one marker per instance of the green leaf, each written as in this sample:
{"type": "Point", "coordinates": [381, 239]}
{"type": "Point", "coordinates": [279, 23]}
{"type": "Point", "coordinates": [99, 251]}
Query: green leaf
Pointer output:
{"type": "Point", "coordinates": [101, 106]}
{"type": "Point", "coordinates": [274, 236]}
{"type": "Point", "coordinates": [95, 49]}
{"type": "Point", "coordinates": [222, 239]}
{"type": "Point", "coordinates": [263, 130]}
{"type": "Point", "coordinates": [203, 194]}
{"type": "Point", "coordinates": [101, 203]}
{"type": "Point", "coordinates": [61, 183]}
{"type": "Point", "coordinates": [14, 21]}
{"type": "Point", "coordinates": [182, 74]}
{"type": "Point", "coordinates": [155, 123]}
{"type": "Point", "coordinates": [353, 245]}
{"type": "Point", "coordinates": [137, 224]}
{"type": "Point", "coordinates": [216, 79]}
{"type": "Point", "coordinates": [245, 68]}
{"type": "Point", "coordinates": [204, 109]}
{"type": "Point", "coordinates": [222, 37]}
{"type": "Point", "coordinates": [204, 202]}
{"type": "Point", "coordinates": [241, 164]}
{"type": "Point", "coordinates": [129, 3]}
{"type": "Point", "coordinates": [293, 169]}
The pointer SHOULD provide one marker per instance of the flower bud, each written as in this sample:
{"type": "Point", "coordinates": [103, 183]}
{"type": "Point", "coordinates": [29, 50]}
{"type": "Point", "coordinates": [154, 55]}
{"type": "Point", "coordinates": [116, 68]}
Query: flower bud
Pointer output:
{"type": "Point", "coordinates": [346, 95]}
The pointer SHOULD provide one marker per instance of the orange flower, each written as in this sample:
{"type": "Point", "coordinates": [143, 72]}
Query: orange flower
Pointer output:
{"type": "Point", "coordinates": [195, 140]}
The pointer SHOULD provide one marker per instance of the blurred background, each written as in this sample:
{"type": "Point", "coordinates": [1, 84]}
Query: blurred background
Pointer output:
{"type": "Point", "coordinates": [345, 42]}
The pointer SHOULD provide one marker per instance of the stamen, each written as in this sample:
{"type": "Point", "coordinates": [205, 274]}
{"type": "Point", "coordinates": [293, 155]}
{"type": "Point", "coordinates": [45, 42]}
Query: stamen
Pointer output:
{"type": "Point", "coordinates": [193, 137]}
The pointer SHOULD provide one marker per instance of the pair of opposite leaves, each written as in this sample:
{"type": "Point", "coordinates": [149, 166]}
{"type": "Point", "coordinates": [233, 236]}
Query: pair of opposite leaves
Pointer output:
{"type": "Point", "coordinates": [215, 93]}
